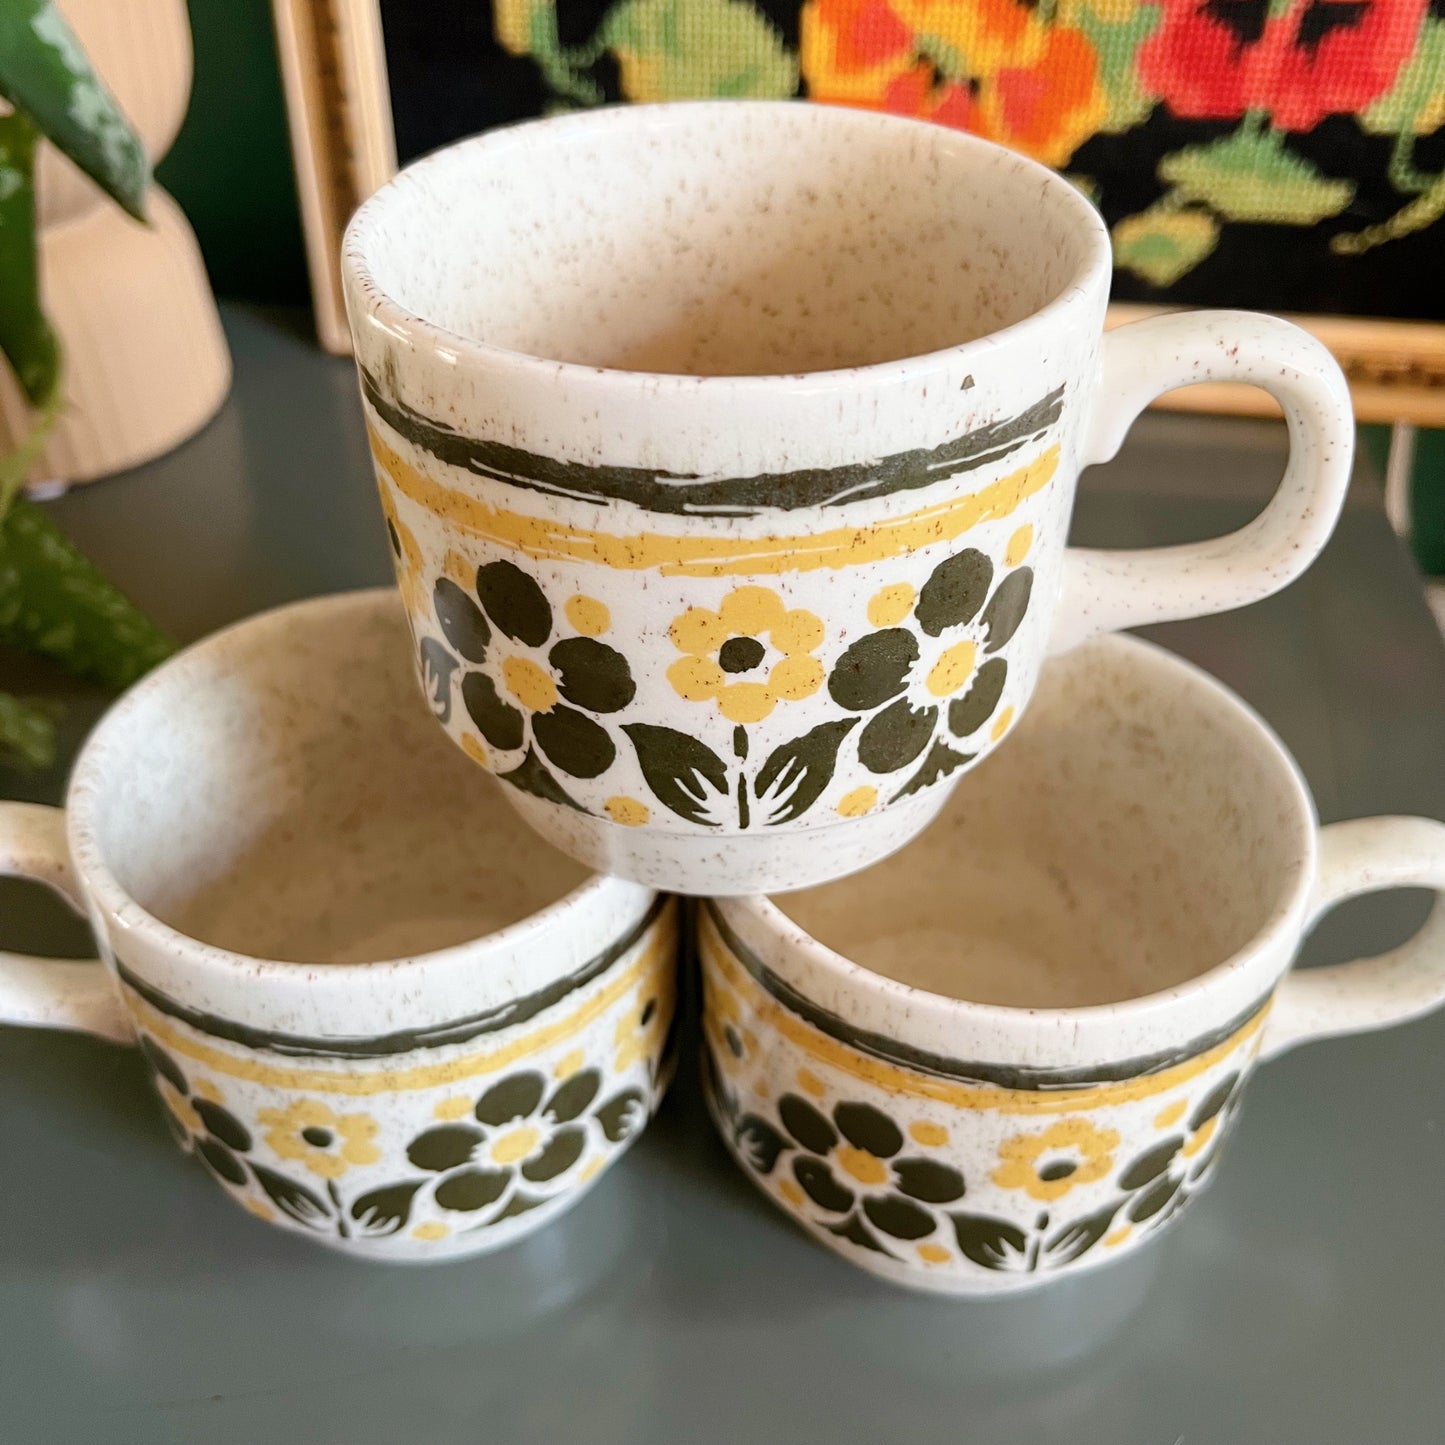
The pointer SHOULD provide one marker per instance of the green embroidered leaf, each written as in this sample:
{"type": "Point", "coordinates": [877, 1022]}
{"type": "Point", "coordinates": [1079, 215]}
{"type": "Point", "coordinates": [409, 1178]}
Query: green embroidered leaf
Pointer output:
{"type": "Point", "coordinates": [1416, 101]}
{"type": "Point", "coordinates": [44, 72]}
{"type": "Point", "coordinates": [1252, 176]}
{"type": "Point", "coordinates": [795, 774]}
{"type": "Point", "coordinates": [679, 769]}
{"type": "Point", "coordinates": [1164, 243]}
{"type": "Point", "coordinates": [696, 49]}
{"type": "Point", "coordinates": [1117, 43]}
{"type": "Point", "coordinates": [25, 336]}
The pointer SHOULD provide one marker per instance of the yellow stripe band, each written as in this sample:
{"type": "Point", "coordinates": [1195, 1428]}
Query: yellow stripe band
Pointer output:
{"type": "Point", "coordinates": [697, 555]}
{"type": "Point", "coordinates": [895, 1080]}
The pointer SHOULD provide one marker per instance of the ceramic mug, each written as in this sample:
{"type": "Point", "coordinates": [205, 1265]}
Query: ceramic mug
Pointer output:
{"type": "Point", "coordinates": [254, 857]}
{"type": "Point", "coordinates": [1119, 894]}
{"type": "Point", "coordinates": [728, 452]}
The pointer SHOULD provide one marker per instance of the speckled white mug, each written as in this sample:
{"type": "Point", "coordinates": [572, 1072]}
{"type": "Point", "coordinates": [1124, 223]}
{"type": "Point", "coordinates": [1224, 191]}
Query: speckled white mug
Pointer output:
{"type": "Point", "coordinates": [411, 1109]}
{"type": "Point", "coordinates": [728, 452]}
{"type": "Point", "coordinates": [1134, 873]}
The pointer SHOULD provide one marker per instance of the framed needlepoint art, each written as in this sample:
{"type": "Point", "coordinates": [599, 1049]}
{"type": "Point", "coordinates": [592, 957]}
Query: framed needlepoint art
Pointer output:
{"type": "Point", "coordinates": [1279, 155]}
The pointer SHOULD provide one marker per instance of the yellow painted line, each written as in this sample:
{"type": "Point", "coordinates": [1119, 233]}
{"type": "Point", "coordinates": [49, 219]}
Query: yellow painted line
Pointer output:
{"type": "Point", "coordinates": [699, 555]}
{"type": "Point", "coordinates": [896, 1080]}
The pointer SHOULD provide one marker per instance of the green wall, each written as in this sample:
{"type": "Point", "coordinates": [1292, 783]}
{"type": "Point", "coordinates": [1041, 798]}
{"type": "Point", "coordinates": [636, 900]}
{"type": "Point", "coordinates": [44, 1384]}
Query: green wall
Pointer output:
{"type": "Point", "coordinates": [230, 167]}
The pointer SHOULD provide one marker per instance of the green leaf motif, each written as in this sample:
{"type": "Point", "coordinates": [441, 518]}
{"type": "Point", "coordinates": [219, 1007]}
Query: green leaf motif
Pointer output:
{"type": "Point", "coordinates": [1416, 101]}
{"type": "Point", "coordinates": [795, 774]}
{"type": "Point", "coordinates": [679, 769]}
{"type": "Point", "coordinates": [531, 776]}
{"type": "Point", "coordinates": [293, 1199]}
{"type": "Point", "coordinates": [1164, 243]}
{"type": "Point", "coordinates": [1251, 175]}
{"type": "Point", "coordinates": [1079, 1237]}
{"type": "Point", "coordinates": [698, 49]}
{"type": "Point", "coordinates": [992, 1243]}
{"type": "Point", "coordinates": [44, 72]}
{"type": "Point", "coordinates": [54, 602]}
{"type": "Point", "coordinates": [384, 1211]}
{"type": "Point", "coordinates": [940, 762]}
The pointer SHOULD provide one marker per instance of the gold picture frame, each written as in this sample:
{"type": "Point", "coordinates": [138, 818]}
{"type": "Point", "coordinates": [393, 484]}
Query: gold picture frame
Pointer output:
{"type": "Point", "coordinates": [333, 67]}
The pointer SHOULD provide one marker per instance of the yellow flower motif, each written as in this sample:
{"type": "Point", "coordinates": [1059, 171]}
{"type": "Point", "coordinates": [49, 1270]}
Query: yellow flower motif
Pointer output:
{"type": "Point", "coordinates": [327, 1143]}
{"type": "Point", "coordinates": [726, 643]}
{"type": "Point", "coordinates": [1072, 1151]}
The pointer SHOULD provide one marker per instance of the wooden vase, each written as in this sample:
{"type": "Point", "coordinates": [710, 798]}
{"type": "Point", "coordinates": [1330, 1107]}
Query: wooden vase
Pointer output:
{"type": "Point", "coordinates": [146, 363]}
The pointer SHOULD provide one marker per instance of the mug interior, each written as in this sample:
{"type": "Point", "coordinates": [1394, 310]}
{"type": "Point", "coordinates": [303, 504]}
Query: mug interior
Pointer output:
{"type": "Point", "coordinates": [1139, 829]}
{"type": "Point", "coordinates": [282, 791]}
{"type": "Point", "coordinates": [724, 239]}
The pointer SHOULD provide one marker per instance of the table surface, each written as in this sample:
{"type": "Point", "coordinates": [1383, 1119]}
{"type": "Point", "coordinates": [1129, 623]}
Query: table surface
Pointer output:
{"type": "Point", "coordinates": [1299, 1301]}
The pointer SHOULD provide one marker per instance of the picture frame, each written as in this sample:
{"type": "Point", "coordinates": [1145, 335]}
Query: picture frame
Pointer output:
{"type": "Point", "coordinates": [334, 72]}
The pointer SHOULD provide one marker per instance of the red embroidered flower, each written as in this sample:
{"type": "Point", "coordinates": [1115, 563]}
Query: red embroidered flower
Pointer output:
{"type": "Point", "coordinates": [1215, 59]}
{"type": "Point", "coordinates": [988, 66]}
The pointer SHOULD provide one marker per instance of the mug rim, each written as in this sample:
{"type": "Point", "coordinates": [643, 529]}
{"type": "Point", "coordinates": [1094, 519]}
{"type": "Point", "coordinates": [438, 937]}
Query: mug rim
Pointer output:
{"type": "Point", "coordinates": [106, 893]}
{"type": "Point", "coordinates": [1218, 994]}
{"type": "Point", "coordinates": [400, 324]}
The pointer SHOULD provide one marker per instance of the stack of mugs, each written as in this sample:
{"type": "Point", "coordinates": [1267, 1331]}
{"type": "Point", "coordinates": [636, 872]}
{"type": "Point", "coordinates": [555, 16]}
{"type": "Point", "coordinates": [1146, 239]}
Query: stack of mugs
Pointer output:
{"type": "Point", "coordinates": [727, 454]}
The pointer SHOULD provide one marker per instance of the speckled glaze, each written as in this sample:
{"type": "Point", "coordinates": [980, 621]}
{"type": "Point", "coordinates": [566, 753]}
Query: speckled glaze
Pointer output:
{"type": "Point", "coordinates": [728, 450]}
{"type": "Point", "coordinates": [411, 1109]}
{"type": "Point", "coordinates": [972, 1148]}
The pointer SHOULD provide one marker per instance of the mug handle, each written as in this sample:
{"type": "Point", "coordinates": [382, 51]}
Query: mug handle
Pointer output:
{"type": "Point", "coordinates": [1104, 591]}
{"type": "Point", "coordinates": [1368, 855]}
{"type": "Point", "coordinates": [44, 992]}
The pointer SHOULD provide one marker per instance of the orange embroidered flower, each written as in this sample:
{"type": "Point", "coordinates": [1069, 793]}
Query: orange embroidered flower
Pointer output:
{"type": "Point", "coordinates": [987, 66]}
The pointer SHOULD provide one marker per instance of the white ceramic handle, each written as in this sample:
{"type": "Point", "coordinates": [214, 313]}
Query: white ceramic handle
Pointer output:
{"type": "Point", "coordinates": [1366, 856]}
{"type": "Point", "coordinates": [1106, 590]}
{"type": "Point", "coordinates": [45, 992]}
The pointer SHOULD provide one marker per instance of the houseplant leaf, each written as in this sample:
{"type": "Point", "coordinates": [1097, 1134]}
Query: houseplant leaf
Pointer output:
{"type": "Point", "coordinates": [54, 602]}
{"type": "Point", "coordinates": [44, 72]}
{"type": "Point", "coordinates": [25, 336]}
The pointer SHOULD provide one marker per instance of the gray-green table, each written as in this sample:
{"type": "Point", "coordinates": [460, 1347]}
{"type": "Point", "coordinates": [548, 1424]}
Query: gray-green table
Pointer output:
{"type": "Point", "coordinates": [1299, 1301]}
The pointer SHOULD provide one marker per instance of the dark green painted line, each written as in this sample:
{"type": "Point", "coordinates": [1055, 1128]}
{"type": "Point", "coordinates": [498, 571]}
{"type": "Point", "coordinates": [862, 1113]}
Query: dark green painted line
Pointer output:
{"type": "Point", "coordinates": [458, 1031]}
{"type": "Point", "coordinates": [681, 494]}
{"type": "Point", "coordinates": [1003, 1076]}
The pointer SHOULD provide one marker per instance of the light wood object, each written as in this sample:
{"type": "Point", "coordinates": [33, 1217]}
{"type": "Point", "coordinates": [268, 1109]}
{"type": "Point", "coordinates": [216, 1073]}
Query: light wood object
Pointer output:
{"type": "Point", "coordinates": [146, 363]}
{"type": "Point", "coordinates": [334, 67]}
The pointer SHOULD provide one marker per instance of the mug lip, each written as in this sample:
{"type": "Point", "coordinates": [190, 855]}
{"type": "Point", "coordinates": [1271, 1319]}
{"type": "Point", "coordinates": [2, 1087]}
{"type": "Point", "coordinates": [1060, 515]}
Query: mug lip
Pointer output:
{"type": "Point", "coordinates": [383, 312]}
{"type": "Point", "coordinates": [107, 894]}
{"type": "Point", "coordinates": [1220, 984]}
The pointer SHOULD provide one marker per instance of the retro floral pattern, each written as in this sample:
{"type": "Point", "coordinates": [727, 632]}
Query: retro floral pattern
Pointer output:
{"type": "Point", "coordinates": [1191, 124]}
{"type": "Point", "coordinates": [948, 1172]}
{"type": "Point", "coordinates": [528, 688]}
{"type": "Point", "coordinates": [438, 1146]}
{"type": "Point", "coordinates": [546, 696]}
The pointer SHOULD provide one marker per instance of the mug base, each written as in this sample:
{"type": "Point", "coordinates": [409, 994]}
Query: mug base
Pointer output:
{"type": "Point", "coordinates": [733, 864]}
